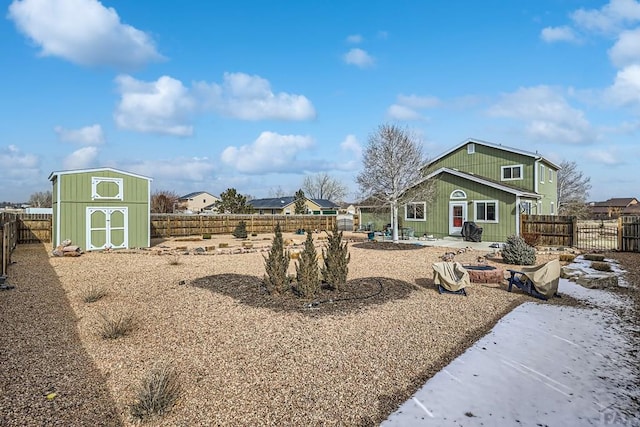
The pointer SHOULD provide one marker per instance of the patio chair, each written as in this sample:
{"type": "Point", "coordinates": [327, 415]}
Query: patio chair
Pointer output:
{"type": "Point", "coordinates": [540, 281]}
{"type": "Point", "coordinates": [450, 277]}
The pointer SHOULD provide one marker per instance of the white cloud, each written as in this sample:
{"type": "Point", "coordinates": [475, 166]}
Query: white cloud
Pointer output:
{"type": "Point", "coordinates": [407, 106]}
{"type": "Point", "coordinates": [195, 169]}
{"type": "Point", "coordinates": [83, 32]}
{"type": "Point", "coordinates": [271, 152]}
{"type": "Point", "coordinates": [626, 88]}
{"type": "Point", "coordinates": [359, 58]}
{"type": "Point", "coordinates": [605, 157]}
{"type": "Point", "coordinates": [547, 114]}
{"type": "Point", "coordinates": [355, 39]}
{"type": "Point", "coordinates": [351, 144]}
{"type": "Point", "coordinates": [558, 34]}
{"type": "Point", "coordinates": [88, 135]}
{"type": "Point", "coordinates": [12, 158]}
{"type": "Point", "coordinates": [162, 106]}
{"type": "Point", "coordinates": [248, 97]}
{"type": "Point", "coordinates": [81, 159]}
{"type": "Point", "coordinates": [610, 18]}
{"type": "Point", "coordinates": [626, 50]}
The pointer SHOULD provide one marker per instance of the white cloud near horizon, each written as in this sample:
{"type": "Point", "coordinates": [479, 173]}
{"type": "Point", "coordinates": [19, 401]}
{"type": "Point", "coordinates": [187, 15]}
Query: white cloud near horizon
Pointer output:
{"type": "Point", "coordinates": [88, 135]}
{"type": "Point", "coordinates": [559, 34]}
{"type": "Point", "coordinates": [355, 39]}
{"type": "Point", "coordinates": [82, 158]}
{"type": "Point", "coordinates": [83, 32]}
{"type": "Point", "coordinates": [407, 107]}
{"type": "Point", "coordinates": [610, 18]}
{"type": "Point", "coordinates": [270, 152]}
{"type": "Point", "coordinates": [606, 157]}
{"type": "Point", "coordinates": [250, 97]}
{"type": "Point", "coordinates": [12, 158]}
{"type": "Point", "coordinates": [547, 115]}
{"type": "Point", "coordinates": [163, 106]}
{"type": "Point", "coordinates": [359, 58]}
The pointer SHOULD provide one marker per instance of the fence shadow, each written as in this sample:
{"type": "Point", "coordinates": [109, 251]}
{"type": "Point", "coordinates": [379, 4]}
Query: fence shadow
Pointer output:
{"type": "Point", "coordinates": [41, 352]}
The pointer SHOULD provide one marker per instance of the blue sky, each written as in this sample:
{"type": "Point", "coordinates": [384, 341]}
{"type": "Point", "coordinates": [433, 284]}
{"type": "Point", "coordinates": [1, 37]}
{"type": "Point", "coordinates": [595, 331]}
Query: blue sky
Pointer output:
{"type": "Point", "coordinates": [256, 94]}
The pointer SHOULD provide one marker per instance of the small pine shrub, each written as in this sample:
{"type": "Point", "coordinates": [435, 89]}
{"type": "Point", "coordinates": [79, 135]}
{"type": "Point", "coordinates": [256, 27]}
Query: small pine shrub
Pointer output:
{"type": "Point", "coordinates": [601, 266]}
{"type": "Point", "coordinates": [157, 393]}
{"type": "Point", "coordinates": [115, 326]}
{"type": "Point", "coordinates": [531, 239]}
{"type": "Point", "coordinates": [93, 294]}
{"type": "Point", "coordinates": [241, 230]}
{"type": "Point", "coordinates": [336, 259]}
{"type": "Point", "coordinates": [307, 274]}
{"type": "Point", "coordinates": [516, 251]}
{"type": "Point", "coordinates": [276, 265]}
{"type": "Point", "coordinates": [593, 257]}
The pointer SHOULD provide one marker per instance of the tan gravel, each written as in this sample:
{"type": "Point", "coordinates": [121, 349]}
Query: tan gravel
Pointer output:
{"type": "Point", "coordinates": [238, 365]}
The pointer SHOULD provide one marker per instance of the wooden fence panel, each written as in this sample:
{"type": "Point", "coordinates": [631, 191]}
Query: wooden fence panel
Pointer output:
{"type": "Point", "coordinates": [629, 233]}
{"type": "Point", "coordinates": [8, 240]}
{"type": "Point", "coordinates": [553, 230]}
{"type": "Point", "coordinates": [34, 228]}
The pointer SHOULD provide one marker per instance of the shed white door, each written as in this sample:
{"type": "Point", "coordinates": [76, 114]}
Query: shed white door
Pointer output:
{"type": "Point", "coordinates": [107, 228]}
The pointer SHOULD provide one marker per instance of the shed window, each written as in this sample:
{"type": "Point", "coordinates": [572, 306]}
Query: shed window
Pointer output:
{"type": "Point", "coordinates": [486, 211]}
{"type": "Point", "coordinates": [107, 188]}
{"type": "Point", "coordinates": [511, 172]}
{"type": "Point", "coordinates": [415, 211]}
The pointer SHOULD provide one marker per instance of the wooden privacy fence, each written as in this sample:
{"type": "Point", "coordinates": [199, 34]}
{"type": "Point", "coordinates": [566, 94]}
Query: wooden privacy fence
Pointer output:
{"type": "Point", "coordinates": [551, 230]}
{"type": "Point", "coordinates": [34, 228]}
{"type": "Point", "coordinates": [8, 239]}
{"type": "Point", "coordinates": [173, 225]}
{"type": "Point", "coordinates": [629, 233]}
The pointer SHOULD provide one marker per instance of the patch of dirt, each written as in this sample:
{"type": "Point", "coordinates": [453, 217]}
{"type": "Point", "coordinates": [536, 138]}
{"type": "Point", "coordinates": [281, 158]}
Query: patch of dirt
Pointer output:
{"type": "Point", "coordinates": [353, 296]}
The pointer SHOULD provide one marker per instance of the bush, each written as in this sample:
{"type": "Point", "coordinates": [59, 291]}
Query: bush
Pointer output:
{"type": "Point", "coordinates": [93, 294]}
{"type": "Point", "coordinates": [206, 236]}
{"type": "Point", "coordinates": [336, 260]}
{"type": "Point", "coordinates": [601, 266]}
{"type": "Point", "coordinates": [567, 257]}
{"type": "Point", "coordinates": [516, 251]}
{"type": "Point", "coordinates": [276, 265]}
{"type": "Point", "coordinates": [531, 239]}
{"type": "Point", "coordinates": [116, 326]}
{"type": "Point", "coordinates": [157, 392]}
{"type": "Point", "coordinates": [307, 269]}
{"type": "Point", "coordinates": [241, 230]}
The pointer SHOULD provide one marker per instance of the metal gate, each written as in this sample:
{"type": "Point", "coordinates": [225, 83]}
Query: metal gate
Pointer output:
{"type": "Point", "coordinates": [345, 222]}
{"type": "Point", "coordinates": [597, 235]}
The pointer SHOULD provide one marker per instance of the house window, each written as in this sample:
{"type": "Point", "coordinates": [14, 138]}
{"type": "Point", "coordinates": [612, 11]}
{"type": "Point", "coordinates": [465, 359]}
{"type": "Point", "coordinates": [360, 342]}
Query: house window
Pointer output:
{"type": "Point", "coordinates": [107, 188]}
{"type": "Point", "coordinates": [542, 172]}
{"type": "Point", "coordinates": [486, 211]}
{"type": "Point", "coordinates": [525, 207]}
{"type": "Point", "coordinates": [539, 208]}
{"type": "Point", "coordinates": [550, 175]}
{"type": "Point", "coordinates": [471, 148]}
{"type": "Point", "coordinates": [261, 212]}
{"type": "Point", "coordinates": [553, 210]}
{"type": "Point", "coordinates": [458, 194]}
{"type": "Point", "coordinates": [415, 211]}
{"type": "Point", "coordinates": [511, 172]}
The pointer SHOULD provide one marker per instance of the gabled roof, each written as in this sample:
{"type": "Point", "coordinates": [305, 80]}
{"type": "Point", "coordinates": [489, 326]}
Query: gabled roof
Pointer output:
{"type": "Point", "coordinates": [484, 181]}
{"type": "Point", "coordinates": [536, 156]}
{"type": "Point", "coordinates": [55, 174]}
{"type": "Point", "coordinates": [325, 203]}
{"type": "Point", "coordinates": [620, 202]}
{"type": "Point", "coordinates": [195, 193]}
{"type": "Point", "coordinates": [281, 202]}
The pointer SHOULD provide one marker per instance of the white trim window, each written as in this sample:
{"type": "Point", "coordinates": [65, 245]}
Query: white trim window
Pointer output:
{"type": "Point", "coordinates": [550, 175]}
{"type": "Point", "coordinates": [525, 207]}
{"type": "Point", "coordinates": [542, 174]}
{"type": "Point", "coordinates": [471, 148]}
{"type": "Point", "coordinates": [415, 211]}
{"type": "Point", "coordinates": [458, 194]}
{"type": "Point", "coordinates": [486, 210]}
{"type": "Point", "coordinates": [512, 172]}
{"type": "Point", "coordinates": [102, 188]}
{"type": "Point", "coordinates": [553, 209]}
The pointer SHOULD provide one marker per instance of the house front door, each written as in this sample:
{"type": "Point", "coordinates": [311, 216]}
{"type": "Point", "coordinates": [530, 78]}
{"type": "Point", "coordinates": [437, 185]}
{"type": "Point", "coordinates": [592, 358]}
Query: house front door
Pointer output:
{"type": "Point", "coordinates": [107, 228]}
{"type": "Point", "coordinates": [457, 216]}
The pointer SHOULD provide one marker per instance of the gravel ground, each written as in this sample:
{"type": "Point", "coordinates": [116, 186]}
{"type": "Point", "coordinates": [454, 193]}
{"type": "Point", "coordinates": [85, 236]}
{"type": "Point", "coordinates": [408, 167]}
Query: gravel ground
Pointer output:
{"type": "Point", "coordinates": [240, 362]}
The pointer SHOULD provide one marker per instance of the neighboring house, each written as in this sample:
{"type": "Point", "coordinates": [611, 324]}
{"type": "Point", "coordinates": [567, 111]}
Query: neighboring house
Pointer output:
{"type": "Point", "coordinates": [198, 201]}
{"type": "Point", "coordinates": [613, 208]}
{"type": "Point", "coordinates": [101, 208]}
{"type": "Point", "coordinates": [286, 206]}
{"type": "Point", "coordinates": [487, 183]}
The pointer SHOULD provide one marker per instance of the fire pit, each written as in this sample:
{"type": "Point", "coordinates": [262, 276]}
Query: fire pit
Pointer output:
{"type": "Point", "coordinates": [480, 273]}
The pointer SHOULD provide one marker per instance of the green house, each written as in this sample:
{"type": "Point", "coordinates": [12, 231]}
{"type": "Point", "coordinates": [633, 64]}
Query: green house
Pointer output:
{"type": "Point", "coordinates": [489, 184]}
{"type": "Point", "coordinates": [101, 208]}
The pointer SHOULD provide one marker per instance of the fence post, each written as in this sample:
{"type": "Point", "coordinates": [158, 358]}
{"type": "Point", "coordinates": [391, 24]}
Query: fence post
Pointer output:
{"type": "Point", "coordinates": [574, 231]}
{"type": "Point", "coordinates": [620, 228]}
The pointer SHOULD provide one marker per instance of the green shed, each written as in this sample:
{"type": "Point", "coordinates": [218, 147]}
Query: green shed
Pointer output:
{"type": "Point", "coordinates": [101, 208]}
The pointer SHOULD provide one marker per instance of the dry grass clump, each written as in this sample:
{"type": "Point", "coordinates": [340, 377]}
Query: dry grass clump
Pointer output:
{"type": "Point", "coordinates": [93, 293]}
{"type": "Point", "coordinates": [115, 325]}
{"type": "Point", "coordinates": [593, 257]}
{"type": "Point", "coordinates": [601, 266]}
{"type": "Point", "coordinates": [174, 260]}
{"type": "Point", "coordinates": [567, 257]}
{"type": "Point", "coordinates": [157, 392]}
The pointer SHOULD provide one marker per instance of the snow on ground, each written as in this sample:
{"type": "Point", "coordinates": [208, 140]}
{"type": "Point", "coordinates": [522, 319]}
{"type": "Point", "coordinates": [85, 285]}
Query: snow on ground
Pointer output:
{"type": "Point", "coordinates": [540, 365]}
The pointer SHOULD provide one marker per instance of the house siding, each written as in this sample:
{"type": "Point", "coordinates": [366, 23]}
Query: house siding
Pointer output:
{"type": "Point", "coordinates": [548, 190]}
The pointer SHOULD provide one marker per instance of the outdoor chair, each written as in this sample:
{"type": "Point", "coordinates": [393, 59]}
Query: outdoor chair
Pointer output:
{"type": "Point", "coordinates": [450, 277]}
{"type": "Point", "coordinates": [540, 281]}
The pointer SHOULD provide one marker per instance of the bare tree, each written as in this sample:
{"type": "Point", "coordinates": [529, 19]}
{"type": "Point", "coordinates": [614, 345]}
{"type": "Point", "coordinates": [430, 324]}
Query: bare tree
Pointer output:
{"type": "Point", "coordinates": [276, 192]}
{"type": "Point", "coordinates": [391, 172]}
{"type": "Point", "coordinates": [164, 201]}
{"type": "Point", "coordinates": [573, 190]}
{"type": "Point", "coordinates": [40, 199]}
{"type": "Point", "coordinates": [323, 186]}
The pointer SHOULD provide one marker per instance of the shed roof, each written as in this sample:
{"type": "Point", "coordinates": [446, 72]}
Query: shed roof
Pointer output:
{"type": "Point", "coordinates": [55, 174]}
